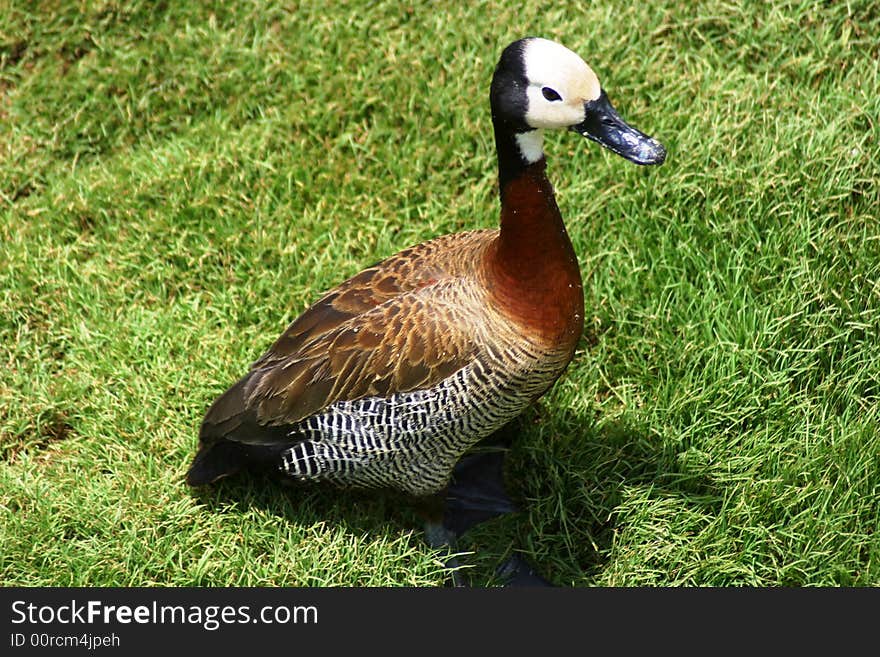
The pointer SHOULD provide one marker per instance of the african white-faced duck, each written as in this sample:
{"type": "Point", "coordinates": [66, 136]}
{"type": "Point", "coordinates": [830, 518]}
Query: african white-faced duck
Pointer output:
{"type": "Point", "coordinates": [390, 377]}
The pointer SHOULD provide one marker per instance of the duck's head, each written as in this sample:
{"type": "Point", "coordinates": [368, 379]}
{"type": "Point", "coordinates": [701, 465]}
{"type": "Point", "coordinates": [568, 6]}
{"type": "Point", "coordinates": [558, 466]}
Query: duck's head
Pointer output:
{"type": "Point", "coordinates": [541, 85]}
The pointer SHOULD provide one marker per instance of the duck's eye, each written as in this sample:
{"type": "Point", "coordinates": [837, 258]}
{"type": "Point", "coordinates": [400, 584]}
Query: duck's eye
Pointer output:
{"type": "Point", "coordinates": [550, 94]}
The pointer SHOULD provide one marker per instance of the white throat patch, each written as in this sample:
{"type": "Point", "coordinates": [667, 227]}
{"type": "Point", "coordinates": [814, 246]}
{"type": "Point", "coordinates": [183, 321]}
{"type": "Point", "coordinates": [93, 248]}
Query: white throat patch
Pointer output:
{"type": "Point", "coordinates": [531, 145]}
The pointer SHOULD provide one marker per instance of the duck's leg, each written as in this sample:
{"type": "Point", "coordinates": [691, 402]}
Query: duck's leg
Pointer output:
{"type": "Point", "coordinates": [475, 494]}
{"type": "Point", "coordinates": [440, 537]}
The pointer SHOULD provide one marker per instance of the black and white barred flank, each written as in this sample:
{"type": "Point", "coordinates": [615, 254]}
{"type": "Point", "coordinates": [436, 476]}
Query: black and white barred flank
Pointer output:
{"type": "Point", "coordinates": [411, 441]}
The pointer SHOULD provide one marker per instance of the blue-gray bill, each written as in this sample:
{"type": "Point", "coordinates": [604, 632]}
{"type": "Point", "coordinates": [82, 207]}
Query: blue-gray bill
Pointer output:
{"type": "Point", "coordinates": [605, 126]}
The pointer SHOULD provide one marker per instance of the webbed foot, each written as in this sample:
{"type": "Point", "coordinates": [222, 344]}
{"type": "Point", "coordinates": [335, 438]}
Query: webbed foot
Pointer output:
{"type": "Point", "coordinates": [516, 571]}
{"type": "Point", "coordinates": [475, 494]}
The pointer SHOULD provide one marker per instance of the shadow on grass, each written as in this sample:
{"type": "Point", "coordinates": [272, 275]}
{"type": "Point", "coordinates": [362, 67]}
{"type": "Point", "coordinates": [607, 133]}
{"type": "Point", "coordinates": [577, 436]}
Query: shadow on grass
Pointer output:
{"type": "Point", "coordinates": [571, 480]}
{"type": "Point", "coordinates": [567, 483]}
{"type": "Point", "coordinates": [357, 511]}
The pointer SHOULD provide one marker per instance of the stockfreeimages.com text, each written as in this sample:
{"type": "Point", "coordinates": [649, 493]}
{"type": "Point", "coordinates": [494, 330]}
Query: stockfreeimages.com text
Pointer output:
{"type": "Point", "coordinates": [211, 617]}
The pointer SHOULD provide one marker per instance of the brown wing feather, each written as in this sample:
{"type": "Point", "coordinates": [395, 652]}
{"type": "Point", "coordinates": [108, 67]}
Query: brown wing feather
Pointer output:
{"type": "Point", "coordinates": [409, 342]}
{"type": "Point", "coordinates": [402, 325]}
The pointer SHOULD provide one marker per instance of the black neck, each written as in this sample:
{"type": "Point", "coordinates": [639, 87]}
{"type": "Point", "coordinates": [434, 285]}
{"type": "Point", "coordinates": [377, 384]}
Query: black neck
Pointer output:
{"type": "Point", "coordinates": [507, 98]}
{"type": "Point", "coordinates": [511, 162]}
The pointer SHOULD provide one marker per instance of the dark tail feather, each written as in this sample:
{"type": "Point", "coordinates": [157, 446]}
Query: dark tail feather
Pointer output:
{"type": "Point", "coordinates": [214, 462]}
{"type": "Point", "coordinates": [224, 457]}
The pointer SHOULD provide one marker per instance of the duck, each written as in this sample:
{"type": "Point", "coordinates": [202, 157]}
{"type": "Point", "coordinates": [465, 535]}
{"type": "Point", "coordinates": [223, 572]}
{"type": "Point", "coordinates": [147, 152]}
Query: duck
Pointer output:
{"type": "Point", "coordinates": [392, 379]}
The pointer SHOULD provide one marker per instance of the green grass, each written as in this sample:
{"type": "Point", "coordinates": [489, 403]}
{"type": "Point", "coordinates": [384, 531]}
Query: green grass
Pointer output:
{"type": "Point", "coordinates": [177, 185]}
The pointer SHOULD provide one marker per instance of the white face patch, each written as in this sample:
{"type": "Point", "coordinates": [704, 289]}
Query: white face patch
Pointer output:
{"type": "Point", "coordinates": [531, 145]}
{"type": "Point", "coordinates": [560, 82]}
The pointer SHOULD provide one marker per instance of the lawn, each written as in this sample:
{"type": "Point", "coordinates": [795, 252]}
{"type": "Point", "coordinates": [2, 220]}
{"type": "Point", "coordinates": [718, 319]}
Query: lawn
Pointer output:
{"type": "Point", "coordinates": [179, 183]}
